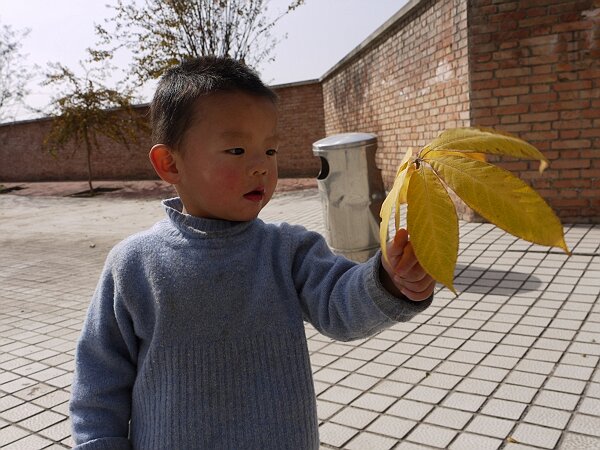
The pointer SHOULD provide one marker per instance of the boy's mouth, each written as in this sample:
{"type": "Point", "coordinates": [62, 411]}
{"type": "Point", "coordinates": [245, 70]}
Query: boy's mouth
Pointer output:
{"type": "Point", "coordinates": [256, 195]}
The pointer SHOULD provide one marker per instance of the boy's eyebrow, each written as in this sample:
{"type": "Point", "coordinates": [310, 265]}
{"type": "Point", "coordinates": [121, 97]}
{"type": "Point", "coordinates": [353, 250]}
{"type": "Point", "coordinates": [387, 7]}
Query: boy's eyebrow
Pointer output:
{"type": "Point", "coordinates": [241, 134]}
{"type": "Point", "coordinates": [234, 134]}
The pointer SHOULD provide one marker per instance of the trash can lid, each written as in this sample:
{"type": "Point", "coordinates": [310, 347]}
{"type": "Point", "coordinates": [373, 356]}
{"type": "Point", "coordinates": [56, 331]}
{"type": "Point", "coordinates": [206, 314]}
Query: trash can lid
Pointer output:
{"type": "Point", "coordinates": [345, 140]}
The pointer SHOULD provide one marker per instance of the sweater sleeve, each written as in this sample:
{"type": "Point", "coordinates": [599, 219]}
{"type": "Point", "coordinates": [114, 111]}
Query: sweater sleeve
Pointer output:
{"type": "Point", "coordinates": [105, 369]}
{"type": "Point", "coordinates": [342, 299]}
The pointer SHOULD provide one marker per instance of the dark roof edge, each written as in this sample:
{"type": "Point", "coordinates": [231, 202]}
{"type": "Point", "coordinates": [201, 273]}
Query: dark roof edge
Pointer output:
{"type": "Point", "coordinates": [50, 117]}
{"type": "Point", "coordinates": [295, 83]}
{"type": "Point", "coordinates": [406, 9]}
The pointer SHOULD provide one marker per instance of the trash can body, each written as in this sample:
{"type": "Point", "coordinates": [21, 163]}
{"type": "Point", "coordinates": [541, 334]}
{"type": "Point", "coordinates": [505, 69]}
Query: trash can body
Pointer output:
{"type": "Point", "coordinates": [351, 190]}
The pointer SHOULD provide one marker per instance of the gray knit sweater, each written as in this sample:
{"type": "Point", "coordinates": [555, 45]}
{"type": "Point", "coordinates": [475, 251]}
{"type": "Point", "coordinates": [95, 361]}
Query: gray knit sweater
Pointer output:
{"type": "Point", "coordinates": [194, 338]}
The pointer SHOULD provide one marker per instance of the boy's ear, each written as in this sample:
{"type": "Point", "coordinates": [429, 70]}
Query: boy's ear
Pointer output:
{"type": "Point", "coordinates": [164, 163]}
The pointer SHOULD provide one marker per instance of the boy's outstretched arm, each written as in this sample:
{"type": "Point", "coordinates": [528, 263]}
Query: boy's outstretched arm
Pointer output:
{"type": "Point", "coordinates": [403, 275]}
{"type": "Point", "coordinates": [345, 300]}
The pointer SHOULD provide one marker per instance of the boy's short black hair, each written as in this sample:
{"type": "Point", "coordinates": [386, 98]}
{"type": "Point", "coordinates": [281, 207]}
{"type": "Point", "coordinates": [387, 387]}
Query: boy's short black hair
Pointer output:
{"type": "Point", "coordinates": [173, 104]}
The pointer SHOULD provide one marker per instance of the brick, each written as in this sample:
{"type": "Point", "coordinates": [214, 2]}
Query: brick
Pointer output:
{"type": "Point", "coordinates": [575, 143]}
{"type": "Point", "coordinates": [591, 113]}
{"type": "Point", "coordinates": [514, 72]}
{"type": "Point", "coordinates": [573, 203]}
{"type": "Point", "coordinates": [571, 124]}
{"type": "Point", "coordinates": [572, 183]}
{"type": "Point", "coordinates": [537, 88]}
{"type": "Point", "coordinates": [517, 90]}
{"type": "Point", "coordinates": [571, 164]}
{"type": "Point", "coordinates": [537, 98]}
{"type": "Point", "coordinates": [572, 26]}
{"type": "Point", "coordinates": [569, 134]}
{"type": "Point", "coordinates": [539, 79]}
{"type": "Point", "coordinates": [539, 107]}
{"type": "Point", "coordinates": [538, 136]}
{"type": "Point", "coordinates": [573, 85]}
{"type": "Point", "coordinates": [576, 105]}
{"type": "Point", "coordinates": [511, 109]}
{"type": "Point", "coordinates": [511, 100]}
{"type": "Point", "coordinates": [537, 22]}
{"type": "Point", "coordinates": [539, 117]}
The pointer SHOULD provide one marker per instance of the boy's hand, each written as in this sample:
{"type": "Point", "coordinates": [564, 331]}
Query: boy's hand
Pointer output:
{"type": "Point", "coordinates": [404, 275]}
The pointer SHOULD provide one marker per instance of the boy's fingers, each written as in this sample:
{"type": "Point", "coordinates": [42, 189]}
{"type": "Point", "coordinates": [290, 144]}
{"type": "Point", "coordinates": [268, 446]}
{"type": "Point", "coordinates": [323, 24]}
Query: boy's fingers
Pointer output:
{"type": "Point", "coordinates": [407, 261]}
{"type": "Point", "coordinates": [399, 242]}
{"type": "Point", "coordinates": [419, 295]}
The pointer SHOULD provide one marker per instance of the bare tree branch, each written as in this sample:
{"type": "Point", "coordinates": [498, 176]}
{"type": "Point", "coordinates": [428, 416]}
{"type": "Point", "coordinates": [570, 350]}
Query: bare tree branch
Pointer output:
{"type": "Point", "coordinates": [163, 33]}
{"type": "Point", "coordinates": [14, 76]}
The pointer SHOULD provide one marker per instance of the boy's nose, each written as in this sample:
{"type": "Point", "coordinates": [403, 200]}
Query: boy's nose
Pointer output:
{"type": "Point", "coordinates": [259, 167]}
{"type": "Point", "coordinates": [260, 171]}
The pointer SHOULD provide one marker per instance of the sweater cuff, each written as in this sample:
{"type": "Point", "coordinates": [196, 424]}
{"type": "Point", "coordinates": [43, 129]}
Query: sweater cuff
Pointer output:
{"type": "Point", "coordinates": [400, 309]}
{"type": "Point", "coordinates": [109, 443]}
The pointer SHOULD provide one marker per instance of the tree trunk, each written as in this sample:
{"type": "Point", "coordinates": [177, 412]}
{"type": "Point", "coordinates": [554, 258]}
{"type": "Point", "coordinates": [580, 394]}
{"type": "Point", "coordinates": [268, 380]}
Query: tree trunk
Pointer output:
{"type": "Point", "coordinates": [88, 151]}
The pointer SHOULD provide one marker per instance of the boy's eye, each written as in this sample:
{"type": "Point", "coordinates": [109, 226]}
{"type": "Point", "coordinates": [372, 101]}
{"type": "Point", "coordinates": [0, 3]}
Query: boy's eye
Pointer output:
{"type": "Point", "coordinates": [236, 151]}
{"type": "Point", "coordinates": [271, 152]}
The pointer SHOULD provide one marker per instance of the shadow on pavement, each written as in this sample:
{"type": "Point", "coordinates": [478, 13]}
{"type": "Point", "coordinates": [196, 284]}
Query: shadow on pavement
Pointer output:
{"type": "Point", "coordinates": [482, 279]}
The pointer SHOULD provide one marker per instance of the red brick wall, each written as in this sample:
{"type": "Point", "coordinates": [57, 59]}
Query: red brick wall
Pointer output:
{"type": "Point", "coordinates": [535, 72]}
{"type": "Point", "coordinates": [301, 123]}
{"type": "Point", "coordinates": [23, 158]}
{"type": "Point", "coordinates": [407, 85]}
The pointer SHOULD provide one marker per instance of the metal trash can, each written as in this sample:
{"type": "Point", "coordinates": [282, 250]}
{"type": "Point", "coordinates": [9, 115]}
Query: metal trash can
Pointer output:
{"type": "Point", "coordinates": [351, 191]}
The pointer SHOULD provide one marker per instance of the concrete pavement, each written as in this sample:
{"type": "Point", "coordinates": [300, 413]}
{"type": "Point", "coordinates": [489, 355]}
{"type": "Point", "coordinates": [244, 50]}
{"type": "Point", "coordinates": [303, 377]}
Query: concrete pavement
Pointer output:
{"type": "Point", "coordinates": [511, 363]}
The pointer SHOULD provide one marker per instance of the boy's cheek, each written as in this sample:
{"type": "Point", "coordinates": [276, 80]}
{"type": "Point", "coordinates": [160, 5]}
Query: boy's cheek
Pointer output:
{"type": "Point", "coordinates": [228, 180]}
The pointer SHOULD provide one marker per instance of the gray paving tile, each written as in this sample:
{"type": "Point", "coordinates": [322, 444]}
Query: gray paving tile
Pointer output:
{"type": "Point", "coordinates": [327, 409]}
{"type": "Point", "coordinates": [331, 376]}
{"type": "Point", "coordinates": [336, 435]}
{"type": "Point", "coordinates": [426, 394]}
{"type": "Point", "coordinates": [590, 406]}
{"type": "Point", "coordinates": [558, 400]}
{"type": "Point", "coordinates": [373, 402]}
{"type": "Point", "coordinates": [576, 372]}
{"type": "Point", "coordinates": [409, 409]}
{"type": "Point", "coordinates": [449, 418]}
{"type": "Point", "coordinates": [585, 424]}
{"type": "Point", "coordinates": [548, 417]}
{"type": "Point", "coordinates": [371, 441]}
{"type": "Point", "coordinates": [565, 385]}
{"type": "Point", "coordinates": [536, 435]}
{"type": "Point", "coordinates": [340, 394]}
{"type": "Point", "coordinates": [358, 381]}
{"type": "Point", "coordinates": [516, 393]}
{"type": "Point", "coordinates": [491, 426]}
{"type": "Point", "coordinates": [432, 435]}
{"type": "Point", "coordinates": [573, 441]}
{"type": "Point", "coordinates": [465, 402]}
{"type": "Point", "coordinates": [467, 441]}
{"type": "Point", "coordinates": [354, 417]}
{"type": "Point", "coordinates": [504, 408]}
{"type": "Point", "coordinates": [391, 426]}
{"type": "Point", "coordinates": [525, 379]}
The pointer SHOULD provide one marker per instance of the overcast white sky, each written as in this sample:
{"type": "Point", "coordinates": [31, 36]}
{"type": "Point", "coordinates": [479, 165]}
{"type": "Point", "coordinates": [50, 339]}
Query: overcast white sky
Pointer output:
{"type": "Point", "coordinates": [319, 34]}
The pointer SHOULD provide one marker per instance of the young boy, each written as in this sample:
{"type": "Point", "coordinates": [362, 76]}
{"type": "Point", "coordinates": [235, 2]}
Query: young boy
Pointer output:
{"type": "Point", "coordinates": [194, 338]}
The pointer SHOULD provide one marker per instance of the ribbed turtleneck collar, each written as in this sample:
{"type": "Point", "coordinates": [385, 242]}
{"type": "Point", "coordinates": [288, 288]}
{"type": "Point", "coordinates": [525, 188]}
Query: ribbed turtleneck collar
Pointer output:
{"type": "Point", "coordinates": [201, 227]}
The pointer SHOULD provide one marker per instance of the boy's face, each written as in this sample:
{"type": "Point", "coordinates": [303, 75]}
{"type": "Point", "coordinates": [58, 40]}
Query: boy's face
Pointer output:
{"type": "Point", "coordinates": [227, 159]}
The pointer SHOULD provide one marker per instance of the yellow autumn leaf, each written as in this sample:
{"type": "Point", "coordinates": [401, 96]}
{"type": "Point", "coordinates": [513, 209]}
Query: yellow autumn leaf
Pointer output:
{"type": "Point", "coordinates": [485, 140]}
{"type": "Point", "coordinates": [388, 204]}
{"type": "Point", "coordinates": [456, 159]}
{"type": "Point", "coordinates": [402, 198]}
{"type": "Point", "coordinates": [499, 197]}
{"type": "Point", "coordinates": [433, 225]}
